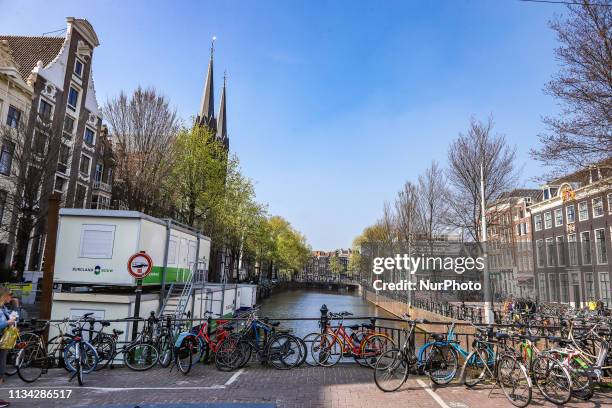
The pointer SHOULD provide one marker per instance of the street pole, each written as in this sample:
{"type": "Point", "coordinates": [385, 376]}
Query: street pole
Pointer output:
{"type": "Point", "coordinates": [487, 286]}
{"type": "Point", "coordinates": [136, 309]}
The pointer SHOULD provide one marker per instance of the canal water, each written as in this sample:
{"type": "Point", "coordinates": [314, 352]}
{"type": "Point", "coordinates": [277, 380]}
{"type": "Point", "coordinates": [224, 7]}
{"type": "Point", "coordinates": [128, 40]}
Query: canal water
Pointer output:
{"type": "Point", "coordinates": [306, 303]}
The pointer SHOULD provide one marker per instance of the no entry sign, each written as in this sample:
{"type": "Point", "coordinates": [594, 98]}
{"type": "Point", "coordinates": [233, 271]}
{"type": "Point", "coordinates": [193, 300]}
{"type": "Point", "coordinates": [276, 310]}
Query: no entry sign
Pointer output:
{"type": "Point", "coordinates": [140, 265]}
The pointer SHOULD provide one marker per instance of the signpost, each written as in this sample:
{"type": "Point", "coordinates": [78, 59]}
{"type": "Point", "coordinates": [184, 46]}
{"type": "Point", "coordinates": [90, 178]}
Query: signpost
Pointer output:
{"type": "Point", "coordinates": [139, 266]}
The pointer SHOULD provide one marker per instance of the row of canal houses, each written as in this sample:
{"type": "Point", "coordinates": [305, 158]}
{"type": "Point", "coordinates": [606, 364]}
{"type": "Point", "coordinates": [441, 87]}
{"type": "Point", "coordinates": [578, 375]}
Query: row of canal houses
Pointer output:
{"type": "Point", "coordinates": [554, 243]}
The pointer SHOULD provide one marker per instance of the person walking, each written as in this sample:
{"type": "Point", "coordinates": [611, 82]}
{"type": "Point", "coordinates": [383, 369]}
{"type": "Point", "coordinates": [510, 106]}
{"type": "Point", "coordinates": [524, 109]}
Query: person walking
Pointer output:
{"type": "Point", "coordinates": [6, 320]}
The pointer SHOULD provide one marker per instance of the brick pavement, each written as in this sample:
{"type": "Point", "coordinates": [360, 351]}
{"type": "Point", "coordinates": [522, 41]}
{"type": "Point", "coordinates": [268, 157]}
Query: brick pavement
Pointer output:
{"type": "Point", "coordinates": [346, 385]}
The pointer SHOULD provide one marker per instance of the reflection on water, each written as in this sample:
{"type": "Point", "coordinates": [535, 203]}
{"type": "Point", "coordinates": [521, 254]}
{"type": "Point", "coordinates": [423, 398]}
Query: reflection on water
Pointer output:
{"type": "Point", "coordinates": [307, 303]}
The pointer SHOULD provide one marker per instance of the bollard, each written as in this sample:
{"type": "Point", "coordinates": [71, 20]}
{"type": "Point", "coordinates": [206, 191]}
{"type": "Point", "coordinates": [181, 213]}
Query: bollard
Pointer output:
{"type": "Point", "coordinates": [324, 317]}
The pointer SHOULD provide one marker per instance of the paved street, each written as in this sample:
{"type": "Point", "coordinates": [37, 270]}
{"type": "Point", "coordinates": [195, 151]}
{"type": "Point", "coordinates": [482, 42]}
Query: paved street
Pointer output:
{"type": "Point", "coordinates": [346, 385]}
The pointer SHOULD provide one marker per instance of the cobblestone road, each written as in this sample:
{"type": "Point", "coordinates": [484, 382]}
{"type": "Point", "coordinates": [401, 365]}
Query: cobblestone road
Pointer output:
{"type": "Point", "coordinates": [346, 385]}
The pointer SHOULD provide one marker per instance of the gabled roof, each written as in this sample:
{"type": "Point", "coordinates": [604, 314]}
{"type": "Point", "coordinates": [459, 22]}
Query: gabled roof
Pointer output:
{"type": "Point", "coordinates": [27, 51]}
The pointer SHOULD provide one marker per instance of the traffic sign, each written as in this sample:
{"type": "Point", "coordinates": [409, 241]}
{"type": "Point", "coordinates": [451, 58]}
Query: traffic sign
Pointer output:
{"type": "Point", "coordinates": [140, 265]}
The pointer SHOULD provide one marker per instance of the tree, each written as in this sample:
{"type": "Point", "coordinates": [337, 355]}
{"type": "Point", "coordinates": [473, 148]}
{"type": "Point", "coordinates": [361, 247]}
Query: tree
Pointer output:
{"type": "Point", "coordinates": [406, 212]}
{"type": "Point", "coordinates": [143, 127]}
{"type": "Point", "coordinates": [582, 134]}
{"type": "Point", "coordinates": [432, 201]}
{"type": "Point", "coordinates": [479, 146]}
{"type": "Point", "coordinates": [335, 266]}
{"type": "Point", "coordinates": [29, 159]}
{"type": "Point", "coordinates": [290, 252]}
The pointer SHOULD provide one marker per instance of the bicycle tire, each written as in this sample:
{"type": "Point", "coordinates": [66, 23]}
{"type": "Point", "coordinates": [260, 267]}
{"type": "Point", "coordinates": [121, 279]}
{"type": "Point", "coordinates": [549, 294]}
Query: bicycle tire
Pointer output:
{"type": "Point", "coordinates": [184, 355]}
{"type": "Point", "coordinates": [474, 369]}
{"type": "Point", "coordinates": [106, 348]}
{"type": "Point", "coordinates": [144, 353]}
{"type": "Point", "coordinates": [229, 355]}
{"type": "Point", "coordinates": [547, 371]}
{"type": "Point", "coordinates": [90, 353]}
{"type": "Point", "coordinates": [31, 356]}
{"type": "Point", "coordinates": [165, 348]}
{"type": "Point", "coordinates": [303, 351]}
{"type": "Point", "coordinates": [372, 347]}
{"type": "Point", "coordinates": [283, 351]}
{"type": "Point", "coordinates": [308, 340]}
{"type": "Point", "coordinates": [391, 363]}
{"type": "Point", "coordinates": [512, 375]}
{"type": "Point", "coordinates": [441, 364]}
{"type": "Point", "coordinates": [326, 350]}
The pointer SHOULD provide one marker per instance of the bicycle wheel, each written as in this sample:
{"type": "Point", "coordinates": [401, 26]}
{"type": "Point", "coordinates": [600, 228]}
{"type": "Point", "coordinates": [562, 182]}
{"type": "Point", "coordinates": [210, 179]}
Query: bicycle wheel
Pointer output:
{"type": "Point", "coordinates": [140, 356]}
{"type": "Point", "coordinates": [283, 351]}
{"type": "Point", "coordinates": [371, 348]}
{"type": "Point", "coordinates": [441, 364]}
{"type": "Point", "coordinates": [184, 354]}
{"type": "Point", "coordinates": [79, 367]}
{"type": "Point", "coordinates": [31, 362]}
{"type": "Point", "coordinates": [89, 354]}
{"type": "Point", "coordinates": [303, 351]}
{"type": "Point", "coordinates": [326, 350]}
{"type": "Point", "coordinates": [308, 341]}
{"type": "Point", "coordinates": [552, 379]}
{"type": "Point", "coordinates": [230, 354]}
{"type": "Point", "coordinates": [105, 347]}
{"type": "Point", "coordinates": [514, 381]}
{"type": "Point", "coordinates": [583, 386]}
{"type": "Point", "coordinates": [474, 369]}
{"type": "Point", "coordinates": [391, 370]}
{"type": "Point", "coordinates": [165, 348]}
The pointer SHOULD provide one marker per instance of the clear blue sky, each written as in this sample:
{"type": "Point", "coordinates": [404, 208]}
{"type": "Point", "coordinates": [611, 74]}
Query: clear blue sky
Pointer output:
{"type": "Point", "coordinates": [332, 105]}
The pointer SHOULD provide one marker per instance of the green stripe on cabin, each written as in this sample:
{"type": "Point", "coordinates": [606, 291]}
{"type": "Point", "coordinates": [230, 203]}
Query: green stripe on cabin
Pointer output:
{"type": "Point", "coordinates": [172, 275]}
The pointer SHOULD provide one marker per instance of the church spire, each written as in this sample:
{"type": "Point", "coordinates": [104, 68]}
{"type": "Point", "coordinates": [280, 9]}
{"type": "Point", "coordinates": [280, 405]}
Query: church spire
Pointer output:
{"type": "Point", "coordinates": [222, 119]}
{"type": "Point", "coordinates": [206, 115]}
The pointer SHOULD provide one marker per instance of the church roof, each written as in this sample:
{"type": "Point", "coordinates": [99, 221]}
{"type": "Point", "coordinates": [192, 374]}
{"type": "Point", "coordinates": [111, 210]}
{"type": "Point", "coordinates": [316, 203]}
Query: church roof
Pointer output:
{"type": "Point", "coordinates": [28, 50]}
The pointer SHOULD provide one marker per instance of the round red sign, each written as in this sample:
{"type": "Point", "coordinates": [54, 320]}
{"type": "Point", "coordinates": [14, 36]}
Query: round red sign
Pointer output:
{"type": "Point", "coordinates": [140, 265]}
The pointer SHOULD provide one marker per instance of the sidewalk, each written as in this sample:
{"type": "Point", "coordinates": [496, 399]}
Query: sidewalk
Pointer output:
{"type": "Point", "coordinates": [346, 385]}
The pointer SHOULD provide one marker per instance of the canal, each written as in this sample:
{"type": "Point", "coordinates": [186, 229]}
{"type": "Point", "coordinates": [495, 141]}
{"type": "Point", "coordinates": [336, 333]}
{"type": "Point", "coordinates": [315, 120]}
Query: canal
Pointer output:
{"type": "Point", "coordinates": [306, 303]}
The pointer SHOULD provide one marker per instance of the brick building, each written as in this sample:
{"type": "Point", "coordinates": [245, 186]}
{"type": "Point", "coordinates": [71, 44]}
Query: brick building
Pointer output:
{"type": "Point", "coordinates": [572, 227]}
{"type": "Point", "coordinates": [58, 70]}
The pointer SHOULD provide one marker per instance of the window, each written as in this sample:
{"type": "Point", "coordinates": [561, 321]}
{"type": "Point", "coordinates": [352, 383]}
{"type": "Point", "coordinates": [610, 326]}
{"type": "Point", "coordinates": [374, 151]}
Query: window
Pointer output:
{"type": "Point", "coordinates": [2, 204]}
{"type": "Point", "coordinates": [590, 286]}
{"type": "Point", "coordinates": [80, 196]}
{"type": "Point", "coordinates": [604, 288]}
{"type": "Point", "coordinates": [64, 154]}
{"type": "Point", "coordinates": [547, 220]}
{"type": "Point", "coordinates": [78, 68]}
{"type": "Point", "coordinates": [68, 126]}
{"type": "Point", "coordinates": [558, 217]}
{"type": "Point", "coordinates": [610, 203]}
{"type": "Point", "coordinates": [6, 157]}
{"type": "Point", "coordinates": [89, 136]}
{"type": "Point", "coordinates": [45, 109]}
{"type": "Point", "coordinates": [537, 220]}
{"type": "Point", "coordinates": [40, 143]}
{"type": "Point", "coordinates": [553, 287]}
{"type": "Point", "coordinates": [600, 246]}
{"type": "Point", "coordinates": [60, 182]}
{"type": "Point", "coordinates": [99, 172]}
{"type": "Point", "coordinates": [85, 165]}
{"type": "Point", "coordinates": [560, 251]}
{"type": "Point", "coordinates": [598, 210]}
{"type": "Point", "coordinates": [583, 211]}
{"type": "Point", "coordinates": [569, 212]}
{"type": "Point", "coordinates": [572, 249]}
{"type": "Point", "coordinates": [73, 98]}
{"type": "Point", "coordinates": [564, 286]}
{"type": "Point", "coordinates": [550, 252]}
{"type": "Point", "coordinates": [585, 240]}
{"type": "Point", "coordinates": [13, 117]}
{"type": "Point", "coordinates": [542, 287]}
{"type": "Point", "coordinates": [172, 250]}
{"type": "Point", "coordinates": [97, 241]}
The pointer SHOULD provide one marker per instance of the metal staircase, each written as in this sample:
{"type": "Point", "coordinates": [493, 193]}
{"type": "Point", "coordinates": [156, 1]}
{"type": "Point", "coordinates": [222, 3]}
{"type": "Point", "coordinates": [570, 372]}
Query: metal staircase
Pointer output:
{"type": "Point", "coordinates": [177, 298]}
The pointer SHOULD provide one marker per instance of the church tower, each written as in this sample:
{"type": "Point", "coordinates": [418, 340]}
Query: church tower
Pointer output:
{"type": "Point", "coordinates": [206, 116]}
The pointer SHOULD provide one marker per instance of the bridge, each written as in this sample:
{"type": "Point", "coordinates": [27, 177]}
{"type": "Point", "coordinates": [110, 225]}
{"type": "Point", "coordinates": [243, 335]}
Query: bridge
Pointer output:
{"type": "Point", "coordinates": [334, 284]}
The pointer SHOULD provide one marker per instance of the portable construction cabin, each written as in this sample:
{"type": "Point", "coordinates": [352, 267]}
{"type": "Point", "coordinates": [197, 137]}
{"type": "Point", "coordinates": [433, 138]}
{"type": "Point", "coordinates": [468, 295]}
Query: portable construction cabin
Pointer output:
{"type": "Point", "coordinates": [93, 248]}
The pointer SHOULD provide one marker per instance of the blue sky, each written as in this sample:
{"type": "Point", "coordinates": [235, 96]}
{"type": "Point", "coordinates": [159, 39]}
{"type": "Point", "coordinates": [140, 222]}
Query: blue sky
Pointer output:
{"type": "Point", "coordinates": [332, 105]}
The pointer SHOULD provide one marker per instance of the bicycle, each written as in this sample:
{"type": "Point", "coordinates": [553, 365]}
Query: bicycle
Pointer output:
{"type": "Point", "coordinates": [393, 366]}
{"type": "Point", "coordinates": [510, 374]}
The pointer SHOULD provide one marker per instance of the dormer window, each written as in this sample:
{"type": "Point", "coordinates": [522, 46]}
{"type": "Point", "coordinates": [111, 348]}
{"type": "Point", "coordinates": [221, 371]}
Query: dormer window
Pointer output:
{"type": "Point", "coordinates": [78, 68]}
{"type": "Point", "coordinates": [546, 193]}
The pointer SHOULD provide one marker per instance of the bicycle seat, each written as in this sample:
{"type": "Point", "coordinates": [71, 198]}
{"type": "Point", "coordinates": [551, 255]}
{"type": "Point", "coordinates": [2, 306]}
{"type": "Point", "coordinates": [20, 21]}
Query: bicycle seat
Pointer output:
{"type": "Point", "coordinates": [353, 327]}
{"type": "Point", "coordinates": [274, 324]}
{"type": "Point", "coordinates": [117, 332]}
{"type": "Point", "coordinates": [502, 335]}
{"type": "Point", "coordinates": [105, 323]}
{"type": "Point", "coordinates": [369, 326]}
{"type": "Point", "coordinates": [438, 336]}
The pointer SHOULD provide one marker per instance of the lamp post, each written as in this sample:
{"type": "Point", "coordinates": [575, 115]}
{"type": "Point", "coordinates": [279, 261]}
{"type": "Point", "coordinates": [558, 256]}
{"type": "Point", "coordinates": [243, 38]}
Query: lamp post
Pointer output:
{"type": "Point", "coordinates": [487, 286]}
